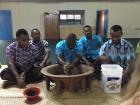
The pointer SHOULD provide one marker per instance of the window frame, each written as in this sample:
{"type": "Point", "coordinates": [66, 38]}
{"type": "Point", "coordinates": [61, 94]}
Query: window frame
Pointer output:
{"type": "Point", "coordinates": [73, 21]}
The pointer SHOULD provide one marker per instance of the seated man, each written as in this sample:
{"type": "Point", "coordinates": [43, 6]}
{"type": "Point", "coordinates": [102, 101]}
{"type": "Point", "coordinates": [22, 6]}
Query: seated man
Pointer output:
{"type": "Point", "coordinates": [118, 51]}
{"type": "Point", "coordinates": [69, 54]}
{"type": "Point", "coordinates": [91, 46]}
{"type": "Point", "coordinates": [43, 53]}
{"type": "Point", "coordinates": [20, 57]}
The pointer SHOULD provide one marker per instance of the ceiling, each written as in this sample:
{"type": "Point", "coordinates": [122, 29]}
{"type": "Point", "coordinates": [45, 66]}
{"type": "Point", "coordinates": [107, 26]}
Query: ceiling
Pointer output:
{"type": "Point", "coordinates": [69, 0]}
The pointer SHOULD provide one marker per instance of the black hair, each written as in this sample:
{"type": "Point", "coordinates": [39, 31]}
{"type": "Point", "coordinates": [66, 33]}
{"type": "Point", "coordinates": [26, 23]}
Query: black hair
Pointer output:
{"type": "Point", "coordinates": [71, 36]}
{"type": "Point", "coordinates": [116, 28]}
{"type": "Point", "coordinates": [21, 32]}
{"type": "Point", "coordinates": [88, 26]}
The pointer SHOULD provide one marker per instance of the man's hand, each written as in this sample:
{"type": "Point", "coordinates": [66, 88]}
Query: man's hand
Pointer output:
{"type": "Point", "coordinates": [22, 75]}
{"type": "Point", "coordinates": [21, 80]}
{"type": "Point", "coordinates": [68, 67]}
{"type": "Point", "coordinates": [102, 59]}
{"type": "Point", "coordinates": [42, 64]}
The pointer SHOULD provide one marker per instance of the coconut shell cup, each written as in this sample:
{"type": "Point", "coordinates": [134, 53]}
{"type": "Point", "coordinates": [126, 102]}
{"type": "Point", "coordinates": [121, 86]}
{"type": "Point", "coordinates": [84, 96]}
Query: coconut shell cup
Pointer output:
{"type": "Point", "coordinates": [32, 93]}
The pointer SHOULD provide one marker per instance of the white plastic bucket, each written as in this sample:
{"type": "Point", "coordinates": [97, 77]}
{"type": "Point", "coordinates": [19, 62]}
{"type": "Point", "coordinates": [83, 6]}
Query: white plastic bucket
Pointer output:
{"type": "Point", "coordinates": [111, 76]}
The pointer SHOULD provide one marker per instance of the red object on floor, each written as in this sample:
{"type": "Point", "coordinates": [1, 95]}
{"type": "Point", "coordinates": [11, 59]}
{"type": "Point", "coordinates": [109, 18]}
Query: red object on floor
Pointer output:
{"type": "Point", "coordinates": [31, 93]}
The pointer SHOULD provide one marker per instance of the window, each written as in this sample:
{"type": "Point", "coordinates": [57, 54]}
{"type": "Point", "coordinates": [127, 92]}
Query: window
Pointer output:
{"type": "Point", "coordinates": [72, 17]}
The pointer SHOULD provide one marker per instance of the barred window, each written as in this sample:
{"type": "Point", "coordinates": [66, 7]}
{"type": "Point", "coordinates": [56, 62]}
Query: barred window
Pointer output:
{"type": "Point", "coordinates": [72, 17]}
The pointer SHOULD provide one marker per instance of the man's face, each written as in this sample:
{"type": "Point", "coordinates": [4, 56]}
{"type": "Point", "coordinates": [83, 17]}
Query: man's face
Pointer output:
{"type": "Point", "coordinates": [87, 31]}
{"type": "Point", "coordinates": [23, 41]}
{"type": "Point", "coordinates": [115, 36]}
{"type": "Point", "coordinates": [71, 44]}
{"type": "Point", "coordinates": [35, 35]}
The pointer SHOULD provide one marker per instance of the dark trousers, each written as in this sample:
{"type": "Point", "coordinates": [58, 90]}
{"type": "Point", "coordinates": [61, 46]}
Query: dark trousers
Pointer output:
{"type": "Point", "coordinates": [32, 75]}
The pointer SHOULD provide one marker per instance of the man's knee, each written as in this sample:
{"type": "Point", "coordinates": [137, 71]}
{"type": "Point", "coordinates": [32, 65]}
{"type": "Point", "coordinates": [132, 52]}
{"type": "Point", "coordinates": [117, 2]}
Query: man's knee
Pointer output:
{"type": "Point", "coordinates": [3, 74]}
{"type": "Point", "coordinates": [6, 74]}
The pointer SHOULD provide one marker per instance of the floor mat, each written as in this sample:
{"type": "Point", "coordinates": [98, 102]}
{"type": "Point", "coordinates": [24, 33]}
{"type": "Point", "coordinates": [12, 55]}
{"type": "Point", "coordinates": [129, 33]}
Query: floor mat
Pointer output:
{"type": "Point", "coordinates": [15, 91]}
{"type": "Point", "coordinates": [94, 96]}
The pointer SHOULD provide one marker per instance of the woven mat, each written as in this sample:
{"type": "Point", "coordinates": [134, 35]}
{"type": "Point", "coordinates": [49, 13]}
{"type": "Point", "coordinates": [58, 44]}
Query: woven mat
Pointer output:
{"type": "Point", "coordinates": [94, 96]}
{"type": "Point", "coordinates": [15, 92]}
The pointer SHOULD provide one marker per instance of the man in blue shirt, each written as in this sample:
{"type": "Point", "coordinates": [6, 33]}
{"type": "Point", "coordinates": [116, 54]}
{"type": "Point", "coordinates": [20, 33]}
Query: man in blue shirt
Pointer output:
{"type": "Point", "coordinates": [118, 51]}
{"type": "Point", "coordinates": [91, 44]}
{"type": "Point", "coordinates": [69, 52]}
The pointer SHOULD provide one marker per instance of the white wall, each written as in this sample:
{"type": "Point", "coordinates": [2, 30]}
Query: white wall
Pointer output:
{"type": "Point", "coordinates": [30, 15]}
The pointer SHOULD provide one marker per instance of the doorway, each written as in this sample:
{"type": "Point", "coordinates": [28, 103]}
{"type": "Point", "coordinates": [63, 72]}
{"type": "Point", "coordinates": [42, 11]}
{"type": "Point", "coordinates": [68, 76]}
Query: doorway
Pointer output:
{"type": "Point", "coordinates": [51, 22]}
{"type": "Point", "coordinates": [5, 25]}
{"type": "Point", "coordinates": [102, 23]}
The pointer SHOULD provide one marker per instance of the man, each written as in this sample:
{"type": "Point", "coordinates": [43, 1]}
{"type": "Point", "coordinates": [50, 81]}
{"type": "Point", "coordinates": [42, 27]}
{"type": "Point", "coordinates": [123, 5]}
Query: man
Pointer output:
{"type": "Point", "coordinates": [91, 45]}
{"type": "Point", "coordinates": [20, 57]}
{"type": "Point", "coordinates": [43, 53]}
{"type": "Point", "coordinates": [118, 51]}
{"type": "Point", "coordinates": [69, 53]}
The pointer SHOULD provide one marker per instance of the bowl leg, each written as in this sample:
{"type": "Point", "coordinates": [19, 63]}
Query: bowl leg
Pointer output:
{"type": "Point", "coordinates": [83, 85]}
{"type": "Point", "coordinates": [58, 87]}
{"type": "Point", "coordinates": [47, 79]}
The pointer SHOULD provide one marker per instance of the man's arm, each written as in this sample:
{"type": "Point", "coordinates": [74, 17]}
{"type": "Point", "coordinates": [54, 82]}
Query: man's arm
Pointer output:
{"type": "Point", "coordinates": [10, 54]}
{"type": "Point", "coordinates": [59, 52]}
{"type": "Point", "coordinates": [19, 79]}
{"type": "Point", "coordinates": [129, 69]}
{"type": "Point", "coordinates": [130, 61]}
{"type": "Point", "coordinates": [47, 50]}
{"type": "Point", "coordinates": [47, 56]}
{"type": "Point", "coordinates": [12, 67]}
{"type": "Point", "coordinates": [86, 61]}
{"type": "Point", "coordinates": [76, 60]}
{"type": "Point", "coordinates": [60, 60]}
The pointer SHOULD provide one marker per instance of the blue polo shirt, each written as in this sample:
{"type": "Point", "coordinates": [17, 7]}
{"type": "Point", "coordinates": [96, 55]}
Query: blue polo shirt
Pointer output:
{"type": "Point", "coordinates": [120, 53]}
{"type": "Point", "coordinates": [91, 47]}
{"type": "Point", "coordinates": [68, 54]}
